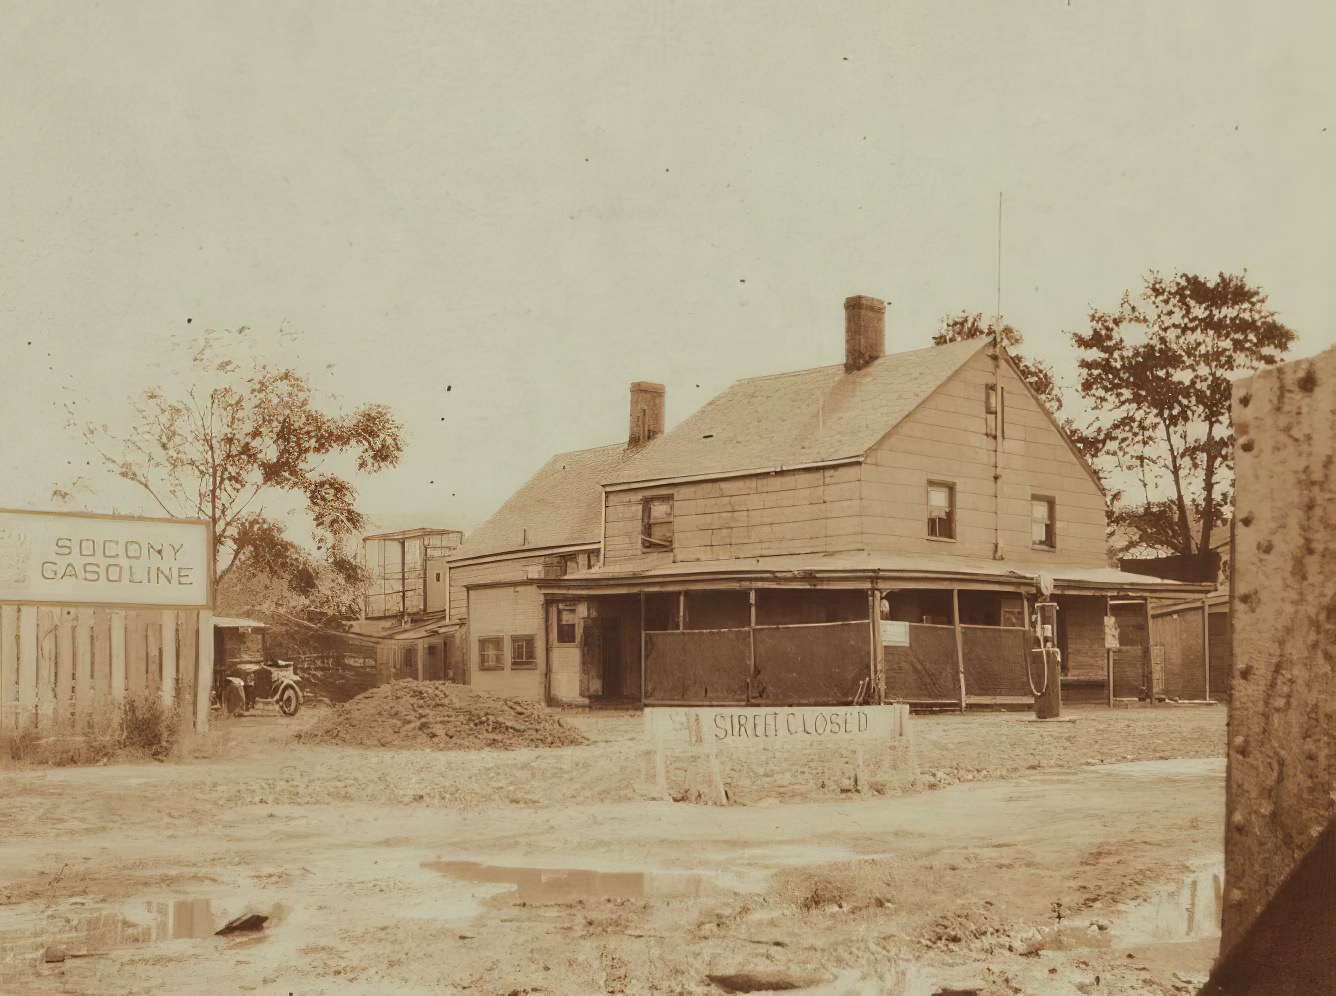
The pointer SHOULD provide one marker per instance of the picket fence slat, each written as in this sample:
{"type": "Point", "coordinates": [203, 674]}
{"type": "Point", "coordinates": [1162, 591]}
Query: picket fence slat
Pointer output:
{"type": "Point", "coordinates": [169, 638]}
{"type": "Point", "coordinates": [9, 666]}
{"type": "Point", "coordinates": [83, 667]}
{"type": "Point", "coordinates": [48, 621]}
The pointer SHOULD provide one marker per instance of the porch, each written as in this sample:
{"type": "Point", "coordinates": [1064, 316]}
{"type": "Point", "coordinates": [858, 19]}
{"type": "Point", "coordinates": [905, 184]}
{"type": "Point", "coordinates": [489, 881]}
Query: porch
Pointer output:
{"type": "Point", "coordinates": [770, 638]}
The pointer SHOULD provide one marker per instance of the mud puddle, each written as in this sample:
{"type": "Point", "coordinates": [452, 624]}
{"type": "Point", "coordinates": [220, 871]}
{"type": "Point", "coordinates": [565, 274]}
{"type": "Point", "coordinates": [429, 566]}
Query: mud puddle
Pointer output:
{"type": "Point", "coordinates": [1185, 911]}
{"type": "Point", "coordinates": [81, 929]}
{"type": "Point", "coordinates": [561, 884]}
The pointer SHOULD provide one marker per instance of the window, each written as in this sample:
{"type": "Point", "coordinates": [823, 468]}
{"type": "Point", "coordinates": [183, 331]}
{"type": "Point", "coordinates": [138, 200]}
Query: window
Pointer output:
{"type": "Point", "coordinates": [570, 564]}
{"type": "Point", "coordinates": [491, 651]}
{"type": "Point", "coordinates": [941, 510]}
{"type": "Point", "coordinates": [656, 523]}
{"type": "Point", "coordinates": [995, 405]}
{"type": "Point", "coordinates": [565, 623]}
{"type": "Point", "coordinates": [522, 653]}
{"type": "Point", "coordinates": [1043, 522]}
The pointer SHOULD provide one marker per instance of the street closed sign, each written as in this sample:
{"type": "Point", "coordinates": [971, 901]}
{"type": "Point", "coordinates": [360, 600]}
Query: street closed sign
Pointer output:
{"type": "Point", "coordinates": [69, 559]}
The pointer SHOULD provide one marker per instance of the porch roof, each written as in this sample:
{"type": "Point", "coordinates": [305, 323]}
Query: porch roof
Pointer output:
{"type": "Point", "coordinates": [864, 568]}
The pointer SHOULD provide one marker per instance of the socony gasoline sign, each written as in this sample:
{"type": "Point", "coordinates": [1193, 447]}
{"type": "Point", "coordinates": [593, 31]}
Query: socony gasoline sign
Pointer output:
{"type": "Point", "coordinates": [104, 560]}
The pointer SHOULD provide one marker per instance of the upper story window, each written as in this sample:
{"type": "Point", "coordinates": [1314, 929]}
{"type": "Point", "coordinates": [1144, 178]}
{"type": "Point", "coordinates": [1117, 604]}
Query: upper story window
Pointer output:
{"type": "Point", "coordinates": [1043, 522]}
{"type": "Point", "coordinates": [656, 523]}
{"type": "Point", "coordinates": [941, 510]}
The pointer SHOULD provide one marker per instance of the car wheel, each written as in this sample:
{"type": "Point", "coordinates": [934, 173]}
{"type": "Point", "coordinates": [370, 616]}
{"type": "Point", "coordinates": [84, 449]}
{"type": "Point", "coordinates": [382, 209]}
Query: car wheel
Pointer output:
{"type": "Point", "coordinates": [234, 702]}
{"type": "Point", "coordinates": [289, 701]}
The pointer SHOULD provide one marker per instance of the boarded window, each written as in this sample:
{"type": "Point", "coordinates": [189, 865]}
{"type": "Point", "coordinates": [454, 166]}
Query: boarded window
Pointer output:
{"type": "Point", "coordinates": [408, 662]}
{"type": "Point", "coordinates": [941, 510]}
{"type": "Point", "coordinates": [491, 651]}
{"type": "Point", "coordinates": [1043, 516]}
{"type": "Point", "coordinates": [565, 623]}
{"type": "Point", "coordinates": [656, 523]}
{"type": "Point", "coordinates": [522, 652]}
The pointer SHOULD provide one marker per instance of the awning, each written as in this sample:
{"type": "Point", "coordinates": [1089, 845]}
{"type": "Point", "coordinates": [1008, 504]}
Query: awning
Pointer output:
{"type": "Point", "coordinates": [864, 570]}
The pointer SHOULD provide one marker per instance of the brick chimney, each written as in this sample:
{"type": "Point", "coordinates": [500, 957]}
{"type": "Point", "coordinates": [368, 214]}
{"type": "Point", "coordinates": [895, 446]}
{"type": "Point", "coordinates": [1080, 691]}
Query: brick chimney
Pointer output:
{"type": "Point", "coordinates": [864, 331]}
{"type": "Point", "coordinates": [646, 413]}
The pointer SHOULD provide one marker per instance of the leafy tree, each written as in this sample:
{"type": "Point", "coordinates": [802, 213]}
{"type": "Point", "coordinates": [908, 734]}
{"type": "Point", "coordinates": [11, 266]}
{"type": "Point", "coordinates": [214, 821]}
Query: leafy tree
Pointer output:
{"type": "Point", "coordinates": [240, 434]}
{"type": "Point", "coordinates": [1156, 373]}
{"type": "Point", "coordinates": [1037, 373]}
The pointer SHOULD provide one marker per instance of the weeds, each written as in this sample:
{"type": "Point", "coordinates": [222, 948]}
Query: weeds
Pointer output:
{"type": "Point", "coordinates": [144, 727]}
{"type": "Point", "coordinates": [148, 726]}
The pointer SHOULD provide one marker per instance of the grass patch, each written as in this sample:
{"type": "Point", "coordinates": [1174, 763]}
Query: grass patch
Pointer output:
{"type": "Point", "coordinates": [144, 727]}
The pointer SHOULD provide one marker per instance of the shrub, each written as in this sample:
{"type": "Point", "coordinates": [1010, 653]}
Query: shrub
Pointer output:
{"type": "Point", "coordinates": [149, 726]}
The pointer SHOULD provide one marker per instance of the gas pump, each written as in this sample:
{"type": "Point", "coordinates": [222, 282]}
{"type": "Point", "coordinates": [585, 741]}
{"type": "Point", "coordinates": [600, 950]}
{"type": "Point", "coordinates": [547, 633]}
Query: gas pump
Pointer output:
{"type": "Point", "coordinates": [1048, 691]}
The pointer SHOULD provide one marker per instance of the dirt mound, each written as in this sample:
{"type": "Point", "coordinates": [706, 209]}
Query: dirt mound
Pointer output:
{"type": "Point", "coordinates": [438, 716]}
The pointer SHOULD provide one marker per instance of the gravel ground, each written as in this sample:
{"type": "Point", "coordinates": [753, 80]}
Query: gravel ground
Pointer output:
{"type": "Point", "coordinates": [955, 748]}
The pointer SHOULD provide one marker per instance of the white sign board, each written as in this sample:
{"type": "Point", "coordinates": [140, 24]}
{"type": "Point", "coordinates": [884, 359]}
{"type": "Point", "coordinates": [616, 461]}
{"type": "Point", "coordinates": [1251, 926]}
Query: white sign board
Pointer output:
{"type": "Point", "coordinates": [894, 634]}
{"type": "Point", "coordinates": [1111, 633]}
{"type": "Point", "coordinates": [777, 726]}
{"type": "Point", "coordinates": [72, 559]}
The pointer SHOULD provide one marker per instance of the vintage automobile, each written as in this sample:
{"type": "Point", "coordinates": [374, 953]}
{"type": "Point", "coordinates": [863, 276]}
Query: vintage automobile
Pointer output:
{"type": "Point", "coordinates": [244, 673]}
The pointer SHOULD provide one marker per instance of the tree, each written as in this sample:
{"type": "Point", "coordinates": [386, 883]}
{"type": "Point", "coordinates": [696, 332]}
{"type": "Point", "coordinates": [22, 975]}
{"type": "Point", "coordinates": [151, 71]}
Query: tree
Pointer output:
{"type": "Point", "coordinates": [1037, 373]}
{"type": "Point", "coordinates": [1156, 373]}
{"type": "Point", "coordinates": [241, 435]}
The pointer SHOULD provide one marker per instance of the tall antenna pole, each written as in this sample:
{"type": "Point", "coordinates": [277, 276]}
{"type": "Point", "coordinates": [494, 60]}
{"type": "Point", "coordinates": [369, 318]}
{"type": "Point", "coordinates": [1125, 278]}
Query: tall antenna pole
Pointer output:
{"type": "Point", "coordinates": [998, 332]}
{"type": "Point", "coordinates": [999, 399]}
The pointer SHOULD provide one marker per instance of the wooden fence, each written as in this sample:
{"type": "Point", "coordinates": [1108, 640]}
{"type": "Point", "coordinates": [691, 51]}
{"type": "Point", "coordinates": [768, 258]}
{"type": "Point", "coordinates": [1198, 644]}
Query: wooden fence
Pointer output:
{"type": "Point", "coordinates": [72, 668]}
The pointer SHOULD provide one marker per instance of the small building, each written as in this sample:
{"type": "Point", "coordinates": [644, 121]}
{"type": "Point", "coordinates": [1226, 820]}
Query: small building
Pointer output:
{"type": "Point", "coordinates": [1190, 638]}
{"type": "Point", "coordinates": [406, 607]}
{"type": "Point", "coordinates": [875, 529]}
{"type": "Point", "coordinates": [550, 528]}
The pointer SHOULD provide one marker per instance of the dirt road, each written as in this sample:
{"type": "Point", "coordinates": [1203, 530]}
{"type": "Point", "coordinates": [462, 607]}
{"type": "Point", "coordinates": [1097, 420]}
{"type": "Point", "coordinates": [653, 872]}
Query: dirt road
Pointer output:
{"type": "Point", "coordinates": [1029, 870]}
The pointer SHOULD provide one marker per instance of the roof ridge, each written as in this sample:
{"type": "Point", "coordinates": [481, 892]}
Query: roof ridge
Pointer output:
{"type": "Point", "coordinates": [976, 342]}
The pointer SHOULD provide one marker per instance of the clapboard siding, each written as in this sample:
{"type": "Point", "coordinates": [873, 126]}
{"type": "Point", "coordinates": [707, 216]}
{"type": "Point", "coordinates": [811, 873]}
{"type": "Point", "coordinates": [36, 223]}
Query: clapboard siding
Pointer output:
{"type": "Point", "coordinates": [946, 439]}
{"type": "Point", "coordinates": [495, 572]}
{"type": "Point", "coordinates": [507, 611]}
{"type": "Point", "coordinates": [795, 511]}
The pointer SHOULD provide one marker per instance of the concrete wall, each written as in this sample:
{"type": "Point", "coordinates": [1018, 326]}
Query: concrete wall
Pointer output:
{"type": "Point", "coordinates": [1282, 723]}
{"type": "Point", "coordinates": [947, 439]}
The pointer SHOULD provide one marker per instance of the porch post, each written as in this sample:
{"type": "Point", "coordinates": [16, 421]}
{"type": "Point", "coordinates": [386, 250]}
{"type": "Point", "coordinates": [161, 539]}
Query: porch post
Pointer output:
{"type": "Point", "coordinates": [1108, 652]}
{"type": "Point", "coordinates": [960, 643]}
{"type": "Point", "coordinates": [642, 648]}
{"type": "Point", "coordinates": [878, 649]}
{"type": "Point", "coordinates": [751, 640]}
{"type": "Point", "coordinates": [1206, 642]}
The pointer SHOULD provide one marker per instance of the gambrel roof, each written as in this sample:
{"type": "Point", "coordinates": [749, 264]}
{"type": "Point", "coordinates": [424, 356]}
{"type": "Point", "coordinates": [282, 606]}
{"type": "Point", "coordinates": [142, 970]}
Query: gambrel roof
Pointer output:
{"type": "Point", "coordinates": [561, 505]}
{"type": "Point", "coordinates": [823, 415]}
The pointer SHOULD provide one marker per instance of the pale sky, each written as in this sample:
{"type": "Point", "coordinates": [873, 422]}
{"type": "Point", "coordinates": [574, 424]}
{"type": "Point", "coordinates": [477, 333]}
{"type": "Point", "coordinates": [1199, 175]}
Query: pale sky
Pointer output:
{"type": "Point", "coordinates": [494, 217]}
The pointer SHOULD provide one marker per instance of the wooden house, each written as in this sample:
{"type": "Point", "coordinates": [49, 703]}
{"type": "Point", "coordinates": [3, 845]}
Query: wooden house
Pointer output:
{"type": "Point", "coordinates": [513, 642]}
{"type": "Point", "coordinates": [878, 528]}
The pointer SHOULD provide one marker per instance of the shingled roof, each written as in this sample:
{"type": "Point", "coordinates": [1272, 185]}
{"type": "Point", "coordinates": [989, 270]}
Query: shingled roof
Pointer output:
{"type": "Point", "coordinates": [561, 505]}
{"type": "Point", "coordinates": [785, 420]}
